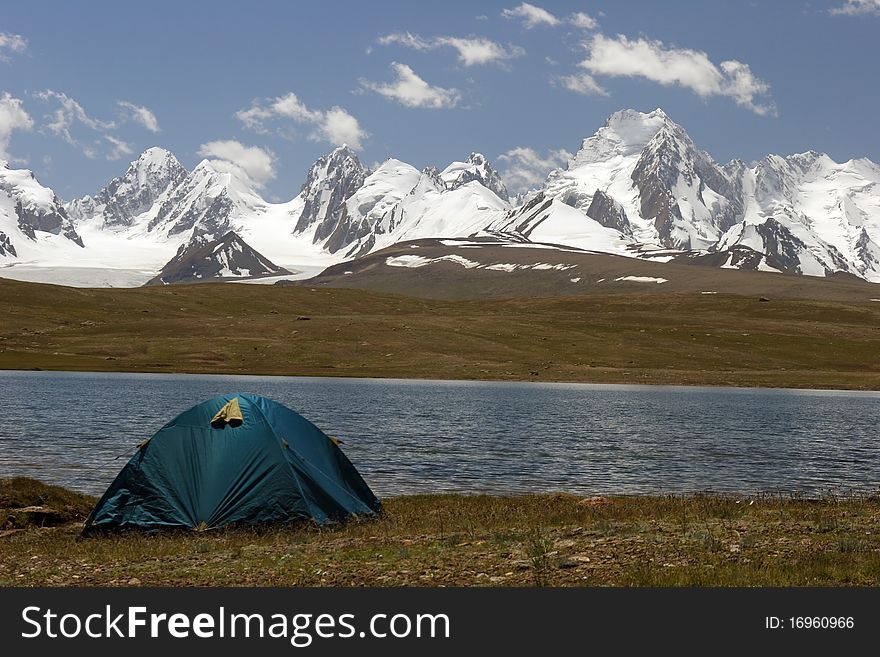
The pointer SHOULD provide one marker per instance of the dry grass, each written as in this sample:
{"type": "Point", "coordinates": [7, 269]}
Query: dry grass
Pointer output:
{"type": "Point", "coordinates": [546, 540]}
{"type": "Point", "coordinates": [624, 338]}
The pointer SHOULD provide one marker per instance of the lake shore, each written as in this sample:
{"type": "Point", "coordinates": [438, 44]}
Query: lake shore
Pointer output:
{"type": "Point", "coordinates": [661, 339]}
{"type": "Point", "coordinates": [464, 540]}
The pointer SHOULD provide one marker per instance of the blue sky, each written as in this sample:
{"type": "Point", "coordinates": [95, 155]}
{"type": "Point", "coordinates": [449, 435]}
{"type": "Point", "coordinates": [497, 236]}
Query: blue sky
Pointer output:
{"type": "Point", "coordinates": [270, 86]}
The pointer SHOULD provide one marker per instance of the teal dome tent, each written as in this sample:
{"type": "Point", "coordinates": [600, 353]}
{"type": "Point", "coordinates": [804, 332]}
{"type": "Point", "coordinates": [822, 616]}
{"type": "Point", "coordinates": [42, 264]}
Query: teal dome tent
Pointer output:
{"type": "Point", "coordinates": [233, 459]}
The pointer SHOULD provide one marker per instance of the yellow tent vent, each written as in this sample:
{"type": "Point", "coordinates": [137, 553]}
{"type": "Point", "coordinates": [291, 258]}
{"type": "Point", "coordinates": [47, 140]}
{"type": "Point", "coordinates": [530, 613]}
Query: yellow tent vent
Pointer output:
{"type": "Point", "coordinates": [230, 414]}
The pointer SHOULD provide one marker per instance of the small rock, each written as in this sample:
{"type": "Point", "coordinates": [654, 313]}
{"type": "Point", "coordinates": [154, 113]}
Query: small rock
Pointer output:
{"type": "Point", "coordinates": [134, 581]}
{"type": "Point", "coordinates": [302, 318]}
{"type": "Point", "coordinates": [568, 562]}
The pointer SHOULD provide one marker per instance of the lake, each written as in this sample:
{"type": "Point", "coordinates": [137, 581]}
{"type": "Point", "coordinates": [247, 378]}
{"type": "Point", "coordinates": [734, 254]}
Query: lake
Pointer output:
{"type": "Point", "coordinates": [407, 436]}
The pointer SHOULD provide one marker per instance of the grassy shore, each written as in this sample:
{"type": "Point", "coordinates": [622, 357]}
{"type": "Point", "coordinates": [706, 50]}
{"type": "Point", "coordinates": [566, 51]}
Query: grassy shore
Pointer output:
{"type": "Point", "coordinates": [454, 540]}
{"type": "Point", "coordinates": [682, 338]}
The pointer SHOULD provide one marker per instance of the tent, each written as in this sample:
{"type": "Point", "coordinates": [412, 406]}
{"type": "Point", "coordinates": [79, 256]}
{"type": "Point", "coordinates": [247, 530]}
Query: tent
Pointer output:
{"type": "Point", "coordinates": [233, 459]}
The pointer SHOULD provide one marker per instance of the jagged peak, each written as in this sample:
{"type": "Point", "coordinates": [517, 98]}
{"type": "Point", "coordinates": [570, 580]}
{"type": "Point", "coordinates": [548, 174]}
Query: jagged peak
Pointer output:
{"type": "Point", "coordinates": [626, 132]}
{"type": "Point", "coordinates": [475, 168]}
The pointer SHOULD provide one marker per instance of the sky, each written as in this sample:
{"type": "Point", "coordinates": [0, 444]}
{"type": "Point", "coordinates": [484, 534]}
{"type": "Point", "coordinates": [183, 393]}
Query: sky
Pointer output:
{"type": "Point", "coordinates": [268, 87]}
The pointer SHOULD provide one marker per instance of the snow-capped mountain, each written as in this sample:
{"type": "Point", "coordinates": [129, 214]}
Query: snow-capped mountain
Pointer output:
{"type": "Point", "coordinates": [147, 180]}
{"type": "Point", "coordinates": [638, 187]}
{"type": "Point", "coordinates": [331, 181]}
{"type": "Point", "coordinates": [32, 219]}
{"type": "Point", "coordinates": [815, 215]}
{"type": "Point", "coordinates": [226, 257]}
{"type": "Point", "coordinates": [665, 190]}
{"type": "Point", "coordinates": [205, 204]}
{"type": "Point", "coordinates": [642, 175]}
{"type": "Point", "coordinates": [351, 211]}
{"type": "Point", "coordinates": [475, 168]}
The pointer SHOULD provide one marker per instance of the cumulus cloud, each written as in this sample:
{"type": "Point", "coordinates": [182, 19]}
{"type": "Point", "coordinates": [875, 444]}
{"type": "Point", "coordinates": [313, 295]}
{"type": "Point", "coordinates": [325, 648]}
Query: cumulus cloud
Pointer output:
{"type": "Point", "coordinates": [335, 125]}
{"type": "Point", "coordinates": [412, 91]}
{"type": "Point", "coordinates": [583, 21]}
{"type": "Point", "coordinates": [526, 168]}
{"type": "Point", "coordinates": [581, 83]}
{"type": "Point", "coordinates": [472, 51]}
{"type": "Point", "coordinates": [531, 16]}
{"type": "Point", "coordinates": [11, 43]}
{"type": "Point", "coordinates": [857, 7]}
{"type": "Point", "coordinates": [691, 69]}
{"type": "Point", "coordinates": [139, 114]}
{"type": "Point", "coordinates": [250, 163]}
{"type": "Point", "coordinates": [12, 117]}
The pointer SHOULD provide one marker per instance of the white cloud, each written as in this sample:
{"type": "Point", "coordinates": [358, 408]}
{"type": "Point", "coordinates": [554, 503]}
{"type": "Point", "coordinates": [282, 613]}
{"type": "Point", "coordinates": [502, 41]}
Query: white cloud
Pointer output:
{"type": "Point", "coordinates": [335, 125]}
{"type": "Point", "coordinates": [531, 15]}
{"type": "Point", "coordinates": [11, 43]}
{"type": "Point", "coordinates": [339, 127]}
{"type": "Point", "coordinates": [581, 83]}
{"type": "Point", "coordinates": [857, 7]}
{"type": "Point", "coordinates": [12, 117]}
{"type": "Point", "coordinates": [140, 114]}
{"type": "Point", "coordinates": [583, 20]}
{"type": "Point", "coordinates": [253, 164]}
{"type": "Point", "coordinates": [472, 51]}
{"type": "Point", "coordinates": [70, 116]}
{"type": "Point", "coordinates": [67, 115]}
{"type": "Point", "coordinates": [683, 67]}
{"type": "Point", "coordinates": [412, 91]}
{"type": "Point", "coordinates": [526, 168]}
{"type": "Point", "coordinates": [293, 108]}
{"type": "Point", "coordinates": [120, 148]}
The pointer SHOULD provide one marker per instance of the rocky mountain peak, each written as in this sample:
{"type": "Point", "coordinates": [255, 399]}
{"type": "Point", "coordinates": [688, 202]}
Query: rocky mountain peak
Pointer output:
{"type": "Point", "coordinates": [228, 256]}
{"type": "Point", "coordinates": [331, 180]}
{"type": "Point", "coordinates": [33, 208]}
{"type": "Point", "coordinates": [475, 168]}
{"type": "Point", "coordinates": [152, 175]}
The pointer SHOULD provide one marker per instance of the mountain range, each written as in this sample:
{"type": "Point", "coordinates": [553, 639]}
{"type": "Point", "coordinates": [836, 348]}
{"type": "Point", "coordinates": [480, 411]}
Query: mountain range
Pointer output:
{"type": "Point", "coordinates": [639, 187]}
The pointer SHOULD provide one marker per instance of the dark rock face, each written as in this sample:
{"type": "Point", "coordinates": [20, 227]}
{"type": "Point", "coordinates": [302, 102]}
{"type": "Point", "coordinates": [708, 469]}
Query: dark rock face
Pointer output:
{"type": "Point", "coordinates": [212, 219]}
{"type": "Point", "coordinates": [525, 219]}
{"type": "Point", "coordinates": [6, 247]}
{"type": "Point", "coordinates": [609, 213]}
{"type": "Point", "coordinates": [33, 211]}
{"type": "Point", "coordinates": [784, 247]}
{"type": "Point", "coordinates": [52, 220]}
{"type": "Point", "coordinates": [739, 256]}
{"type": "Point", "coordinates": [126, 197]}
{"type": "Point", "coordinates": [330, 182]}
{"type": "Point", "coordinates": [189, 206]}
{"type": "Point", "coordinates": [669, 158]}
{"type": "Point", "coordinates": [868, 250]}
{"type": "Point", "coordinates": [228, 256]}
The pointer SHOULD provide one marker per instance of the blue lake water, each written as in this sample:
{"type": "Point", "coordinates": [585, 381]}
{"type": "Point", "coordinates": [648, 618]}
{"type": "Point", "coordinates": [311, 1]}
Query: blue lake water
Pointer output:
{"type": "Point", "coordinates": [408, 436]}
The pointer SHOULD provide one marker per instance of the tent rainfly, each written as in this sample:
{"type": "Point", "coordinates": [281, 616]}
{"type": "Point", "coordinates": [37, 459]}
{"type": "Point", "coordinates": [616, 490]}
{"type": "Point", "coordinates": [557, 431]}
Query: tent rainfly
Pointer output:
{"type": "Point", "coordinates": [233, 459]}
